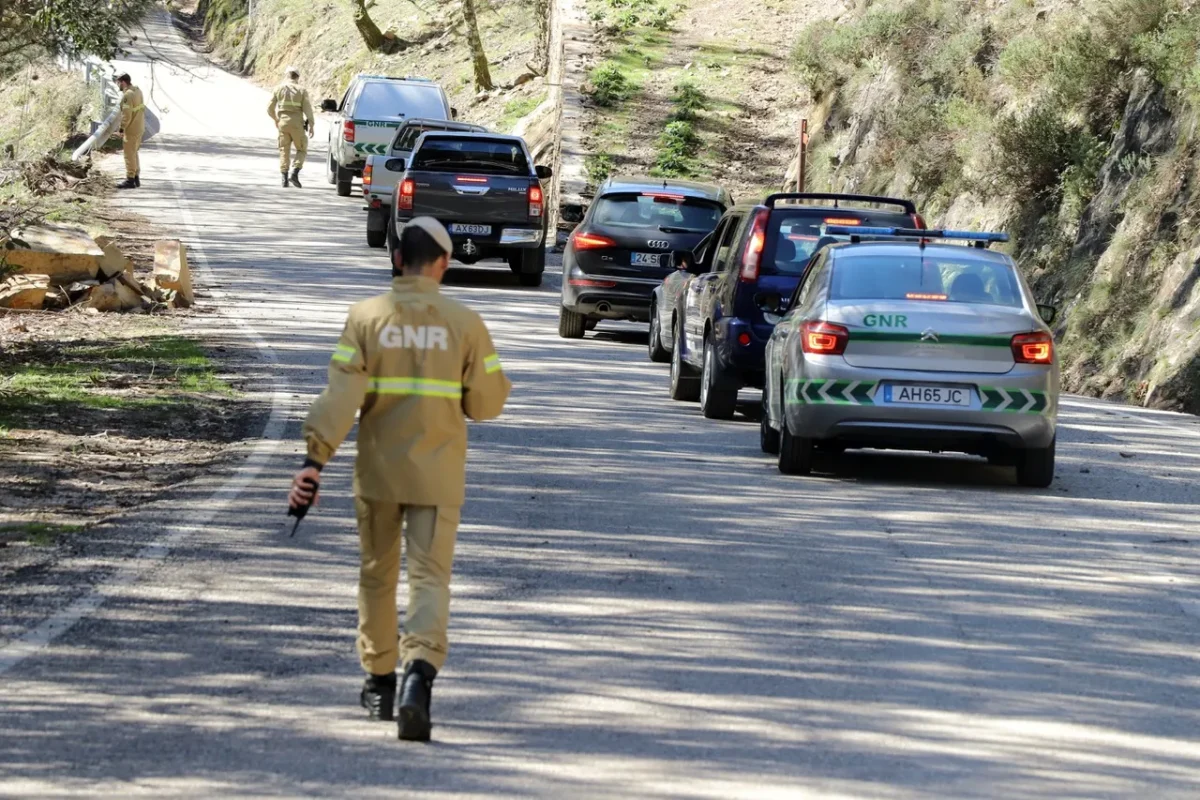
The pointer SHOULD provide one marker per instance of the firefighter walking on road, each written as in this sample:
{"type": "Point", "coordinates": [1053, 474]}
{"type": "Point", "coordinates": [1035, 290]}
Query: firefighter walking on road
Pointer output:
{"type": "Point", "coordinates": [293, 114]}
{"type": "Point", "coordinates": [133, 128]}
{"type": "Point", "coordinates": [414, 365]}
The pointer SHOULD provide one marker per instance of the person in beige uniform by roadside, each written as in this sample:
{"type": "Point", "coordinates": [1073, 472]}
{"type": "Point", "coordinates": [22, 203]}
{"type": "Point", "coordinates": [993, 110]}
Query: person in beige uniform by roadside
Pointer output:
{"type": "Point", "coordinates": [133, 127]}
{"type": "Point", "coordinates": [293, 114]}
{"type": "Point", "coordinates": [414, 365]}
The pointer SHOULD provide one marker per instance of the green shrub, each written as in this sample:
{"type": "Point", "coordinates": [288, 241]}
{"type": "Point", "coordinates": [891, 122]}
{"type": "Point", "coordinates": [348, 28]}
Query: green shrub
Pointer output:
{"type": "Point", "coordinates": [1171, 52]}
{"type": "Point", "coordinates": [609, 86]}
{"type": "Point", "coordinates": [1036, 150]}
{"type": "Point", "coordinates": [689, 99]}
{"type": "Point", "coordinates": [677, 148]}
{"type": "Point", "coordinates": [662, 17]}
{"type": "Point", "coordinates": [599, 166]}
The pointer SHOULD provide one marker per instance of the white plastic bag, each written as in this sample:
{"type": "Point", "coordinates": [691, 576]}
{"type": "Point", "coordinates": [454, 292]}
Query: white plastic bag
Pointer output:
{"type": "Point", "coordinates": [152, 125]}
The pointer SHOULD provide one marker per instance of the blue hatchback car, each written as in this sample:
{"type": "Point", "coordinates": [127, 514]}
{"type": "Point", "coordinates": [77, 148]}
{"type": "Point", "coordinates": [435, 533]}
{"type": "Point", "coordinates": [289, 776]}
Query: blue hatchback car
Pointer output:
{"type": "Point", "coordinates": [727, 295]}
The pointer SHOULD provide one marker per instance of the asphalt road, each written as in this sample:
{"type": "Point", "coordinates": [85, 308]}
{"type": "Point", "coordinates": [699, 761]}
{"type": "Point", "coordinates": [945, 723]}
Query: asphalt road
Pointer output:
{"type": "Point", "coordinates": [643, 606]}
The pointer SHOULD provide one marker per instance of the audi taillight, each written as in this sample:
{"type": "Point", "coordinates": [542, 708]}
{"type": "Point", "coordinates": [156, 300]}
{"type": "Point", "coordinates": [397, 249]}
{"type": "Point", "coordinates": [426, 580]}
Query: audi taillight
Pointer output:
{"type": "Point", "coordinates": [535, 201]}
{"type": "Point", "coordinates": [1033, 348]}
{"type": "Point", "coordinates": [367, 176]}
{"type": "Point", "coordinates": [752, 256]}
{"type": "Point", "coordinates": [824, 338]}
{"type": "Point", "coordinates": [348, 131]}
{"type": "Point", "coordinates": [407, 190]}
{"type": "Point", "coordinates": [591, 241]}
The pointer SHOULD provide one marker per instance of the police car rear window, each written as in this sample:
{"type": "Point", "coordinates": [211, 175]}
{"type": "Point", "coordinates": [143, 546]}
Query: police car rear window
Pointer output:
{"type": "Point", "coordinates": [486, 156]}
{"type": "Point", "coordinates": [932, 277]}
{"type": "Point", "coordinates": [398, 100]}
{"type": "Point", "coordinates": [797, 236]}
{"type": "Point", "coordinates": [675, 213]}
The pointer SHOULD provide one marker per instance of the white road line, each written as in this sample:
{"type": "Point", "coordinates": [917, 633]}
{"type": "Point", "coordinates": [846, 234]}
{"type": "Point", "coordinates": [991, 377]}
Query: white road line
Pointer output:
{"type": "Point", "coordinates": [51, 628]}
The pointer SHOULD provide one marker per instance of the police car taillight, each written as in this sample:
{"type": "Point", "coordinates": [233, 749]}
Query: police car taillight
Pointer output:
{"type": "Point", "coordinates": [754, 246]}
{"type": "Point", "coordinates": [535, 201]}
{"type": "Point", "coordinates": [407, 189]}
{"type": "Point", "coordinates": [348, 131]}
{"type": "Point", "coordinates": [1033, 348]}
{"type": "Point", "coordinates": [824, 338]}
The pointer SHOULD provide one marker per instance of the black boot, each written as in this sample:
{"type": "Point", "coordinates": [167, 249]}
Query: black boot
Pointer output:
{"type": "Point", "coordinates": [415, 695]}
{"type": "Point", "coordinates": [284, 176]}
{"type": "Point", "coordinates": [128, 183]}
{"type": "Point", "coordinates": [378, 696]}
{"type": "Point", "coordinates": [296, 178]}
{"type": "Point", "coordinates": [137, 181]}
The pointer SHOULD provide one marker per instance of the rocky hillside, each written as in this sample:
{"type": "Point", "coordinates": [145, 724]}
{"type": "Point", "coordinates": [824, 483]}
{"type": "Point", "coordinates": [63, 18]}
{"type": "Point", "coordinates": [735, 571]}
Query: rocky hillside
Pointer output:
{"type": "Point", "coordinates": [1071, 124]}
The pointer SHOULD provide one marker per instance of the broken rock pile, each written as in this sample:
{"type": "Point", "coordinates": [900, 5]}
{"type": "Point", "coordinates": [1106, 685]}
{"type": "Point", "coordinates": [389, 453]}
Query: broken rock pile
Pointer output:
{"type": "Point", "coordinates": [56, 267]}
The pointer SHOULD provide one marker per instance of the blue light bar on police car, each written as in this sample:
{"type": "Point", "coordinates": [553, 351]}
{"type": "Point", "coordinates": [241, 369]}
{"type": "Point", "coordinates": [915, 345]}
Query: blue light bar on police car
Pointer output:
{"type": "Point", "coordinates": [917, 233]}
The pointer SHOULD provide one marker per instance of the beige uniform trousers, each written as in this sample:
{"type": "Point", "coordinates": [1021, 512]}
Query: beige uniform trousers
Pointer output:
{"type": "Point", "coordinates": [429, 536]}
{"type": "Point", "coordinates": [291, 134]}
{"type": "Point", "coordinates": [133, 143]}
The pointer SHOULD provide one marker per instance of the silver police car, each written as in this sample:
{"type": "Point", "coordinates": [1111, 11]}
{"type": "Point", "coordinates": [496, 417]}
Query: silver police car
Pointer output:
{"type": "Point", "coordinates": [911, 343]}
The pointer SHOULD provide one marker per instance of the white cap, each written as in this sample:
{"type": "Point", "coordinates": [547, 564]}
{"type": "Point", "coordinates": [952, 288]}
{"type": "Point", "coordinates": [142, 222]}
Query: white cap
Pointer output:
{"type": "Point", "coordinates": [436, 230]}
{"type": "Point", "coordinates": [290, 71]}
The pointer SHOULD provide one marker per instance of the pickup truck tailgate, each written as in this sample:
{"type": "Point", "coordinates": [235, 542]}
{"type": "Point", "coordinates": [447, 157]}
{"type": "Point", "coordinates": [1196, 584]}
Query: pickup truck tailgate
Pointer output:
{"type": "Point", "coordinates": [471, 198]}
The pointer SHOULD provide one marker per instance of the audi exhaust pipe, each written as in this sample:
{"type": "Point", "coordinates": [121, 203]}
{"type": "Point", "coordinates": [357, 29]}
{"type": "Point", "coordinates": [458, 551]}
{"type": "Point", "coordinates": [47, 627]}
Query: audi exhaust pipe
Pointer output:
{"type": "Point", "coordinates": [603, 308]}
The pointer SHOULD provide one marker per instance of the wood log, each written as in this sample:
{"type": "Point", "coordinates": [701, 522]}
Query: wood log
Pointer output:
{"type": "Point", "coordinates": [24, 292]}
{"type": "Point", "coordinates": [62, 253]}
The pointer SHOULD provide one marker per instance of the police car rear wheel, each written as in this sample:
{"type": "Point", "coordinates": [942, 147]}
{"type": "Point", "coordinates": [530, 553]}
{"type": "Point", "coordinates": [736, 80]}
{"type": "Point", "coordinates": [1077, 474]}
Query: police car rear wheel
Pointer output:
{"type": "Point", "coordinates": [570, 324]}
{"type": "Point", "coordinates": [1035, 467]}
{"type": "Point", "coordinates": [717, 399]}
{"type": "Point", "coordinates": [768, 437]}
{"type": "Point", "coordinates": [795, 453]}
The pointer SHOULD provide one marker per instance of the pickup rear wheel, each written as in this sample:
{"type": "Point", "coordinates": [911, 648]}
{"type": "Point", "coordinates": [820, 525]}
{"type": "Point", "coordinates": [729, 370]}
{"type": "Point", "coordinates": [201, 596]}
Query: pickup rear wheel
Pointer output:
{"type": "Point", "coordinates": [331, 170]}
{"type": "Point", "coordinates": [529, 266]}
{"type": "Point", "coordinates": [345, 181]}
{"type": "Point", "coordinates": [570, 323]}
{"type": "Point", "coordinates": [377, 233]}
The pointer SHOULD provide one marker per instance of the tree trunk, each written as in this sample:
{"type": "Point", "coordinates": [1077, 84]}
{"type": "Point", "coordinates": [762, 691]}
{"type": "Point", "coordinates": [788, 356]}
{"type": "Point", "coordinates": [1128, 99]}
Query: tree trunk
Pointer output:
{"type": "Point", "coordinates": [371, 35]}
{"type": "Point", "coordinates": [483, 76]}
{"type": "Point", "coordinates": [541, 57]}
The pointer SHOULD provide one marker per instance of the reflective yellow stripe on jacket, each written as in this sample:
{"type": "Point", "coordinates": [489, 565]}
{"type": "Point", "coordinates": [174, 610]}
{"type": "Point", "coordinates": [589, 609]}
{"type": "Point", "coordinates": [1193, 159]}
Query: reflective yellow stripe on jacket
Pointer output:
{"type": "Point", "coordinates": [343, 353]}
{"type": "Point", "coordinates": [491, 364]}
{"type": "Point", "coordinates": [424, 387]}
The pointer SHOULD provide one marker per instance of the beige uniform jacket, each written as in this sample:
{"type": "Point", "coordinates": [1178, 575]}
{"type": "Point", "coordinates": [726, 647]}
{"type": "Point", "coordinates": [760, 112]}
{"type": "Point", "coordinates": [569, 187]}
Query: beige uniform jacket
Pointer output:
{"type": "Point", "coordinates": [413, 364]}
{"type": "Point", "coordinates": [290, 102]}
{"type": "Point", "coordinates": [133, 110]}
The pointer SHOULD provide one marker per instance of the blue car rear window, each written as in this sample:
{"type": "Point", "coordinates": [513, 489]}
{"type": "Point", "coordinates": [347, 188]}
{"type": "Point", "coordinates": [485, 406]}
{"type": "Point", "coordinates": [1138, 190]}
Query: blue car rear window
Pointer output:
{"type": "Point", "coordinates": [933, 277]}
{"type": "Point", "coordinates": [797, 235]}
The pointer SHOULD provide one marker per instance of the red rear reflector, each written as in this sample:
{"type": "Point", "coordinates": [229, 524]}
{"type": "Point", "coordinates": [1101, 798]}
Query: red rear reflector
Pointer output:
{"type": "Point", "coordinates": [754, 246]}
{"type": "Point", "coordinates": [824, 338]}
{"type": "Point", "coordinates": [918, 296]}
{"type": "Point", "coordinates": [842, 221]}
{"type": "Point", "coordinates": [744, 339]}
{"type": "Point", "coordinates": [470, 179]}
{"type": "Point", "coordinates": [590, 241]}
{"type": "Point", "coordinates": [1033, 348]}
{"type": "Point", "coordinates": [348, 131]}
{"type": "Point", "coordinates": [592, 284]}
{"type": "Point", "coordinates": [376, 202]}
{"type": "Point", "coordinates": [407, 190]}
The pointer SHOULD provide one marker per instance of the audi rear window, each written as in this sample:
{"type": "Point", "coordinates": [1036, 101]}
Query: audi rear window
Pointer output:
{"type": "Point", "coordinates": [932, 277]}
{"type": "Point", "coordinates": [485, 156]}
{"type": "Point", "coordinates": [669, 213]}
{"type": "Point", "coordinates": [385, 100]}
{"type": "Point", "coordinates": [797, 235]}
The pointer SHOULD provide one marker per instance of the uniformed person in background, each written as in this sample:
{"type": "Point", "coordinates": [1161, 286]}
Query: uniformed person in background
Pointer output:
{"type": "Point", "coordinates": [133, 127]}
{"type": "Point", "coordinates": [414, 364]}
{"type": "Point", "coordinates": [293, 114]}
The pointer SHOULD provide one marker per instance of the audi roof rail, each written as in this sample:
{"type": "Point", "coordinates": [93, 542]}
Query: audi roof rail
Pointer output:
{"type": "Point", "coordinates": [908, 205]}
{"type": "Point", "coordinates": [979, 239]}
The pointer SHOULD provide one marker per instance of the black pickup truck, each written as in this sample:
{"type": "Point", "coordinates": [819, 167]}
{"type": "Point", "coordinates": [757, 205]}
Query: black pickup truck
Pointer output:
{"type": "Point", "coordinates": [485, 189]}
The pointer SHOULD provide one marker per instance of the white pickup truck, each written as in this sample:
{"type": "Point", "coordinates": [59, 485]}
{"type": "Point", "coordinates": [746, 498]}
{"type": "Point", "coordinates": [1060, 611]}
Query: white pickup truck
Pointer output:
{"type": "Point", "coordinates": [382, 172]}
{"type": "Point", "coordinates": [369, 113]}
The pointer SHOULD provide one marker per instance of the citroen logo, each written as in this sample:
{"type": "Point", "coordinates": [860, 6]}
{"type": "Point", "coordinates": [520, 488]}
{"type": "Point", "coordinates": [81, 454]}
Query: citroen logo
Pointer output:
{"type": "Point", "coordinates": [469, 248]}
{"type": "Point", "coordinates": [929, 335]}
{"type": "Point", "coordinates": [659, 244]}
